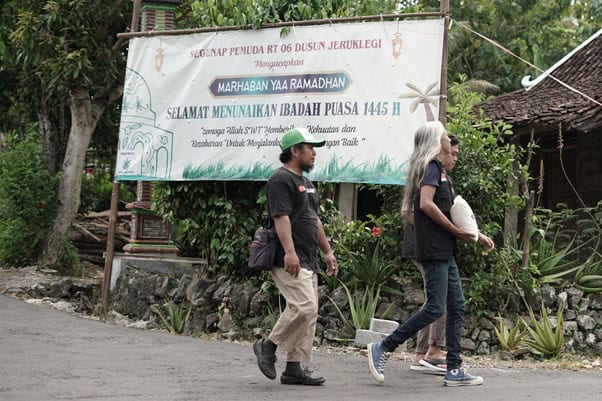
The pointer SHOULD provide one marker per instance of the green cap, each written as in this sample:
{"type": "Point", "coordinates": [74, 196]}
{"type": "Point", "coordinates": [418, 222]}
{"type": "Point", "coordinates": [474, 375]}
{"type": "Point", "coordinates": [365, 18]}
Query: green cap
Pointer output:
{"type": "Point", "coordinates": [296, 136]}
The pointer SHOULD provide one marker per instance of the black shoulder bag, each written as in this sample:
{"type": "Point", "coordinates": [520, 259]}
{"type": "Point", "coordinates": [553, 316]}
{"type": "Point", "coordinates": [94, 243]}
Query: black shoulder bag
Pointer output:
{"type": "Point", "coordinates": [263, 249]}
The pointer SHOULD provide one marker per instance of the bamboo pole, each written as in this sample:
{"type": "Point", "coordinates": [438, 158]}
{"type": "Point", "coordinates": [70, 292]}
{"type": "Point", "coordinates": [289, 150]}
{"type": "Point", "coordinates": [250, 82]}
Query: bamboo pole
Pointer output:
{"type": "Point", "coordinates": [113, 215]}
{"type": "Point", "coordinates": [135, 16]}
{"type": "Point", "coordinates": [326, 21]}
{"type": "Point", "coordinates": [110, 250]}
{"type": "Point", "coordinates": [108, 270]}
{"type": "Point", "coordinates": [444, 57]}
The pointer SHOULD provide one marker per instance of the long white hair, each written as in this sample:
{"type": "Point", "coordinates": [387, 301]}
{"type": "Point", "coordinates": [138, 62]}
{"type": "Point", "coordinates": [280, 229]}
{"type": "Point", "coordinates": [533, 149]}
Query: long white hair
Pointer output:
{"type": "Point", "coordinates": [427, 146]}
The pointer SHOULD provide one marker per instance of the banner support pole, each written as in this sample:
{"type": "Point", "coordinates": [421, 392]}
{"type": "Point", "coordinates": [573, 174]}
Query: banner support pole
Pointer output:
{"type": "Point", "coordinates": [444, 58]}
{"type": "Point", "coordinates": [108, 270]}
{"type": "Point", "coordinates": [135, 16]}
{"type": "Point", "coordinates": [110, 250]}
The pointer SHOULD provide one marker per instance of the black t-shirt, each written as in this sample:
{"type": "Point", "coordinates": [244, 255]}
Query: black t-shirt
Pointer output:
{"type": "Point", "coordinates": [295, 196]}
{"type": "Point", "coordinates": [433, 242]}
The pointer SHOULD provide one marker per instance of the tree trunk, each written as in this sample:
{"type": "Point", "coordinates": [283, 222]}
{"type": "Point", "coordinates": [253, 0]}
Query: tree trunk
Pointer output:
{"type": "Point", "coordinates": [54, 135]}
{"type": "Point", "coordinates": [84, 117]}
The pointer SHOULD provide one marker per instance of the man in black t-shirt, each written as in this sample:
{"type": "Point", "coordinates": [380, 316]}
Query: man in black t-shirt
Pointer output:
{"type": "Point", "coordinates": [293, 207]}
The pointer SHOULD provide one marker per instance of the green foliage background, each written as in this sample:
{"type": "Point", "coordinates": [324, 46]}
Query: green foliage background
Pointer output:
{"type": "Point", "coordinates": [539, 31]}
{"type": "Point", "coordinates": [97, 189]}
{"type": "Point", "coordinates": [214, 220]}
{"type": "Point", "coordinates": [27, 202]}
{"type": "Point", "coordinates": [487, 163]}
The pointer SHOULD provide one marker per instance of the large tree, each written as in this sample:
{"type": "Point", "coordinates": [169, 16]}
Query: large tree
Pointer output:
{"type": "Point", "coordinates": [68, 68]}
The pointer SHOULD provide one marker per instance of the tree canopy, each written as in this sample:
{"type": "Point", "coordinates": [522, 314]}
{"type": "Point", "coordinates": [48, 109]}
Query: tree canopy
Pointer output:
{"type": "Point", "coordinates": [540, 31]}
{"type": "Point", "coordinates": [62, 66]}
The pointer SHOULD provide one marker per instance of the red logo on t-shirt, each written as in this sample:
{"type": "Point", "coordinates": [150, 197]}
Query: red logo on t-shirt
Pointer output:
{"type": "Point", "coordinates": [443, 178]}
{"type": "Point", "coordinates": [301, 188]}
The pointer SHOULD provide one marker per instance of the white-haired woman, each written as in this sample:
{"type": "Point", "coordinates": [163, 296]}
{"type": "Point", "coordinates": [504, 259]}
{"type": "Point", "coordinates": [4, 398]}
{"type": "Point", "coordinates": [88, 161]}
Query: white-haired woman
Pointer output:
{"type": "Point", "coordinates": [430, 193]}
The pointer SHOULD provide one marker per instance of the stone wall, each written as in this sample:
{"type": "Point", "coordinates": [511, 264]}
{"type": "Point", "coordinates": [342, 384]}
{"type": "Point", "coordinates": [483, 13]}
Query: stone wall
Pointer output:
{"type": "Point", "coordinates": [242, 310]}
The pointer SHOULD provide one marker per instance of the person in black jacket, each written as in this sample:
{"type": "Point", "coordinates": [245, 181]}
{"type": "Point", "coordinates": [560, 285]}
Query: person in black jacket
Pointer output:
{"type": "Point", "coordinates": [430, 340]}
{"type": "Point", "coordinates": [431, 194]}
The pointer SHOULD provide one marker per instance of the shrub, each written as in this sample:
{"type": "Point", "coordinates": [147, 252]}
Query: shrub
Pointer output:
{"type": "Point", "coordinates": [97, 190]}
{"type": "Point", "coordinates": [565, 245]}
{"type": "Point", "coordinates": [27, 202]}
{"type": "Point", "coordinates": [589, 275]}
{"type": "Point", "coordinates": [486, 164]}
{"type": "Point", "coordinates": [368, 252]}
{"type": "Point", "coordinates": [70, 259]}
{"type": "Point", "coordinates": [362, 309]}
{"type": "Point", "coordinates": [213, 220]}
{"type": "Point", "coordinates": [510, 338]}
{"type": "Point", "coordinates": [512, 280]}
{"type": "Point", "coordinates": [175, 317]}
{"type": "Point", "coordinates": [578, 225]}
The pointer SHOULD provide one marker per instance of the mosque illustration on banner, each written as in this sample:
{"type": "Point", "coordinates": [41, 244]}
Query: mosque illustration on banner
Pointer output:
{"type": "Point", "coordinates": [145, 150]}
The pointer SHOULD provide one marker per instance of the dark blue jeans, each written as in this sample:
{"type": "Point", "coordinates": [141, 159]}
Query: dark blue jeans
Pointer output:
{"type": "Point", "coordinates": [443, 287]}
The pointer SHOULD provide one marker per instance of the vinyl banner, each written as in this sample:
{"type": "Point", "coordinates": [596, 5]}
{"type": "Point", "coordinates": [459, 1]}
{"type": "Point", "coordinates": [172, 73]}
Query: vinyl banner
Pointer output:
{"type": "Point", "coordinates": [213, 106]}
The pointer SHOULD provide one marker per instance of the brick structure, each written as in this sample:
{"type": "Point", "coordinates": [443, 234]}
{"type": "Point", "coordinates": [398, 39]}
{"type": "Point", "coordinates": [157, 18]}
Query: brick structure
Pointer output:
{"type": "Point", "coordinates": [150, 233]}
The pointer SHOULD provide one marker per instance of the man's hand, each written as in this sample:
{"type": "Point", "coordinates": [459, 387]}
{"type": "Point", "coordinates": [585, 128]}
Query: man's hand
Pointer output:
{"type": "Point", "coordinates": [291, 264]}
{"type": "Point", "coordinates": [486, 242]}
{"type": "Point", "coordinates": [332, 267]}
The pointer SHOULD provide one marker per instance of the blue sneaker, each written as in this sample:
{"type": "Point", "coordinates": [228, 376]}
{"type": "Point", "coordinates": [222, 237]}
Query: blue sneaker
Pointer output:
{"type": "Point", "coordinates": [376, 360]}
{"type": "Point", "coordinates": [460, 377]}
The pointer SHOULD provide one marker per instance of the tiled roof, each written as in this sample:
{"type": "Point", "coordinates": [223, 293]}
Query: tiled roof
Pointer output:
{"type": "Point", "coordinates": [548, 102]}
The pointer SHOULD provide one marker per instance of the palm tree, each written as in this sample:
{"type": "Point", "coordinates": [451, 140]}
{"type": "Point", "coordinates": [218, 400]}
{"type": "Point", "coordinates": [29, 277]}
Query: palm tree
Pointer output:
{"type": "Point", "coordinates": [473, 85]}
{"type": "Point", "coordinates": [426, 98]}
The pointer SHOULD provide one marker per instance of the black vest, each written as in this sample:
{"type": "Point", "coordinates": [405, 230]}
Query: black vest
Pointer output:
{"type": "Point", "coordinates": [433, 242]}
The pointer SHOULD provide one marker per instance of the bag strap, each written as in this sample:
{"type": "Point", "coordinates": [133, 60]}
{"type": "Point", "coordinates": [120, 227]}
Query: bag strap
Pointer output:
{"type": "Point", "coordinates": [269, 221]}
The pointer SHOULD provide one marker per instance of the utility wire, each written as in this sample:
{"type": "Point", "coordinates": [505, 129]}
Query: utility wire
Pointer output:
{"type": "Point", "coordinates": [496, 44]}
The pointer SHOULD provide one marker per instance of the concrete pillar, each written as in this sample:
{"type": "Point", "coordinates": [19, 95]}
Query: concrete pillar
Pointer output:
{"type": "Point", "coordinates": [347, 200]}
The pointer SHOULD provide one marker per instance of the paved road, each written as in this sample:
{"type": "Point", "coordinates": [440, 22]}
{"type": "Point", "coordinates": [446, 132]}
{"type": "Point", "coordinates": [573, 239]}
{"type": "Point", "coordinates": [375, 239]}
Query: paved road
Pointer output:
{"type": "Point", "coordinates": [50, 355]}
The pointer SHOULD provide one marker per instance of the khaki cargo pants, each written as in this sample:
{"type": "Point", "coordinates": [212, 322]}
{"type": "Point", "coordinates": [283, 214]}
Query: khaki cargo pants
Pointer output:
{"type": "Point", "coordinates": [295, 329]}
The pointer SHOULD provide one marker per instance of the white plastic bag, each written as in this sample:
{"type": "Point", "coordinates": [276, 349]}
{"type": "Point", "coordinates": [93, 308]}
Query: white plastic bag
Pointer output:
{"type": "Point", "coordinates": [463, 217]}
